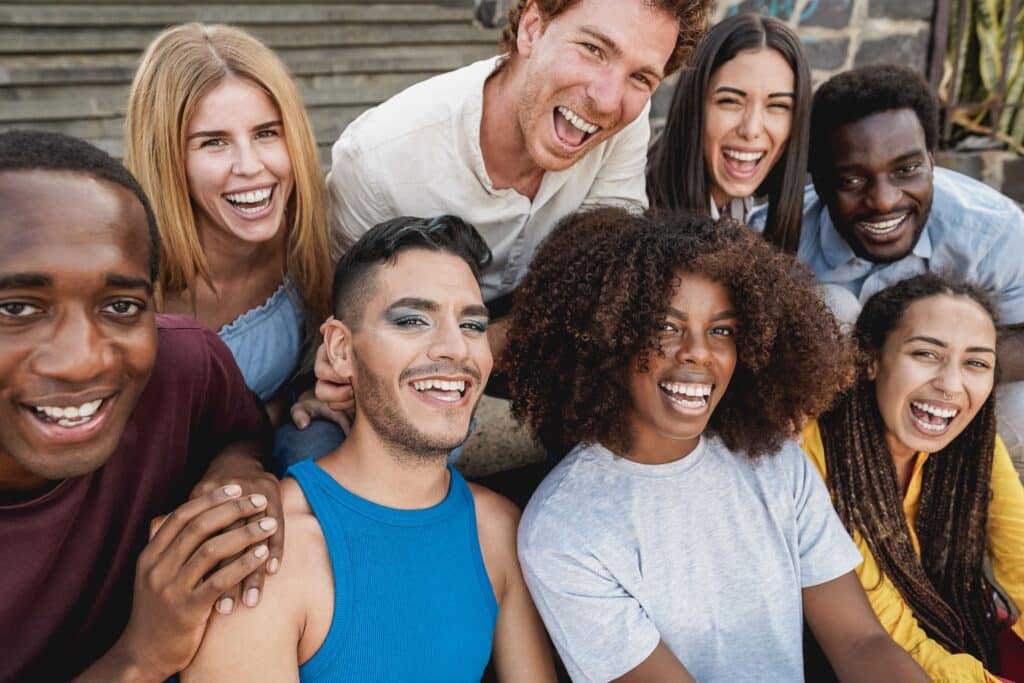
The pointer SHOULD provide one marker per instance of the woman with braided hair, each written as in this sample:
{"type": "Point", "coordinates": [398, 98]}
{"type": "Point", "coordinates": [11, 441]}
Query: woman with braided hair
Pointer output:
{"type": "Point", "coordinates": [922, 480]}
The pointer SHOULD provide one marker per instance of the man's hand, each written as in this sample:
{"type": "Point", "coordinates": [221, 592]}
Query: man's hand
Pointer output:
{"type": "Point", "coordinates": [239, 464]}
{"type": "Point", "coordinates": [332, 388]}
{"type": "Point", "coordinates": [309, 408]}
{"type": "Point", "coordinates": [178, 580]}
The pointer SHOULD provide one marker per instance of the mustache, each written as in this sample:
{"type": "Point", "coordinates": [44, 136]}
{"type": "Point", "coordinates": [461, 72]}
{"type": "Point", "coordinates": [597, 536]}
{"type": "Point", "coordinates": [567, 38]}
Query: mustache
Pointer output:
{"type": "Point", "coordinates": [439, 369]}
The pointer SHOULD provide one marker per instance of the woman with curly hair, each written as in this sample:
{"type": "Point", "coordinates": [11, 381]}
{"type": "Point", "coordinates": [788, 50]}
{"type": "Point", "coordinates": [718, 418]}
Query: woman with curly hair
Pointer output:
{"type": "Point", "coordinates": [684, 535]}
{"type": "Point", "coordinates": [737, 127]}
{"type": "Point", "coordinates": [922, 480]}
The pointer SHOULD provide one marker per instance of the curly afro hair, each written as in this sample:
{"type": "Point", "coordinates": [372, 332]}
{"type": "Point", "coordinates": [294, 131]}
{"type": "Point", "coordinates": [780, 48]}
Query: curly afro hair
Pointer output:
{"type": "Point", "coordinates": [854, 95]}
{"type": "Point", "coordinates": [591, 305]}
{"type": "Point", "coordinates": [691, 14]}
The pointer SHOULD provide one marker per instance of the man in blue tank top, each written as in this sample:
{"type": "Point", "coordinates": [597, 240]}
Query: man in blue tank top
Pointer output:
{"type": "Point", "coordinates": [395, 568]}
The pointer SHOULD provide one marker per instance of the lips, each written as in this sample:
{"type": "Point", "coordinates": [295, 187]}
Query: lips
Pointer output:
{"type": "Point", "coordinates": [447, 391]}
{"type": "Point", "coordinates": [68, 422]}
{"type": "Point", "coordinates": [884, 228]}
{"type": "Point", "coordinates": [572, 130]}
{"type": "Point", "coordinates": [742, 164]}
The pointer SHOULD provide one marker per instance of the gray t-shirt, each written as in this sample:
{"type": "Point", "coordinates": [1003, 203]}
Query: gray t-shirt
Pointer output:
{"type": "Point", "coordinates": [708, 553]}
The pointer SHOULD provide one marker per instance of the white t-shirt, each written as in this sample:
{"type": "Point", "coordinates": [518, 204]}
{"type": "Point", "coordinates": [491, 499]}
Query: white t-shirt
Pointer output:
{"type": "Point", "coordinates": [708, 553]}
{"type": "Point", "coordinates": [418, 154]}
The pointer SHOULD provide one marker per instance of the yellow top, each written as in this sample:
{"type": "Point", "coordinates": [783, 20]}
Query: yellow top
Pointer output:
{"type": "Point", "coordinates": [1006, 552]}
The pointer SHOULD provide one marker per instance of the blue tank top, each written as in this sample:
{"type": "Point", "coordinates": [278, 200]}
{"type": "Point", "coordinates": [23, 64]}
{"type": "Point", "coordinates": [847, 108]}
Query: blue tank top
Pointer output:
{"type": "Point", "coordinates": [412, 601]}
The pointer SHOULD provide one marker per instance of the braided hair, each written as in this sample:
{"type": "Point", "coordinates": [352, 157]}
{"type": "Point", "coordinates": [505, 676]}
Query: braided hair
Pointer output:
{"type": "Point", "coordinates": [946, 586]}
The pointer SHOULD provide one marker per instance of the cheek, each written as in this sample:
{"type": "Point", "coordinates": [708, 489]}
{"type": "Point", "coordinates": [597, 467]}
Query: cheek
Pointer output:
{"type": "Point", "coordinates": [202, 177]}
{"type": "Point", "coordinates": [779, 129]}
{"type": "Point", "coordinates": [280, 162]}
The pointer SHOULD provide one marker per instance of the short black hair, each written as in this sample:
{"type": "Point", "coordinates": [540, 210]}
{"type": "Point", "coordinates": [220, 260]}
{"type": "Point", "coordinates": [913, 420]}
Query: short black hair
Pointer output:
{"type": "Point", "coordinates": [854, 95]}
{"type": "Point", "coordinates": [382, 244]}
{"type": "Point", "coordinates": [30, 150]}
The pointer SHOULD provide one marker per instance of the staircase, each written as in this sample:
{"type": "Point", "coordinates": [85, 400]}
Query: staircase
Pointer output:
{"type": "Point", "coordinates": [67, 66]}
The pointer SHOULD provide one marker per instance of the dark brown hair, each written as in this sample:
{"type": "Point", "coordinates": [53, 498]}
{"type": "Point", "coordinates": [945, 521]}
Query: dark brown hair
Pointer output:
{"type": "Point", "coordinates": [677, 174]}
{"type": "Point", "coordinates": [591, 305]}
{"type": "Point", "coordinates": [691, 14]}
{"type": "Point", "coordinates": [945, 586]}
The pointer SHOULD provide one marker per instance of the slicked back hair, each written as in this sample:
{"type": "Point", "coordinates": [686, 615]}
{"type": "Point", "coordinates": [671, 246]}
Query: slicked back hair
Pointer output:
{"type": "Point", "coordinates": [353, 276]}
{"type": "Point", "coordinates": [27, 150]}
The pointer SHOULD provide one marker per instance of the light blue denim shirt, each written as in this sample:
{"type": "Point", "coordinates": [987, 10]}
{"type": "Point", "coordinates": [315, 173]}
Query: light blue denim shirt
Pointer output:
{"type": "Point", "coordinates": [973, 232]}
{"type": "Point", "coordinates": [266, 341]}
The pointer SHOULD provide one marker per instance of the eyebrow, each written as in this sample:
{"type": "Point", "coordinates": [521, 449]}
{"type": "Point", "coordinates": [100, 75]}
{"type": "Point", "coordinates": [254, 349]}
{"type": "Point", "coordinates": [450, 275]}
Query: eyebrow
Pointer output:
{"type": "Point", "coordinates": [25, 281]}
{"type": "Point", "coordinates": [902, 158]}
{"type": "Point", "coordinates": [614, 48]}
{"type": "Point", "coordinates": [743, 93]}
{"type": "Point", "coordinates": [476, 310]}
{"type": "Point", "coordinates": [128, 282]}
{"type": "Point", "coordinates": [721, 315]}
{"type": "Point", "coordinates": [942, 344]}
{"type": "Point", "coordinates": [224, 133]}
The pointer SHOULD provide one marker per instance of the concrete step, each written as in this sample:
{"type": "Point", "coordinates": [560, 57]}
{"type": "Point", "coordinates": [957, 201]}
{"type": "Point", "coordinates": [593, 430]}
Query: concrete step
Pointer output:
{"type": "Point", "coordinates": [36, 40]}
{"type": "Point", "coordinates": [105, 14]}
{"type": "Point", "coordinates": [119, 67]}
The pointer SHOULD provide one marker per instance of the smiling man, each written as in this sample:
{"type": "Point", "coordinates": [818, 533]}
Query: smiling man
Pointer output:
{"type": "Point", "coordinates": [109, 414]}
{"type": "Point", "coordinates": [396, 569]}
{"type": "Point", "coordinates": [880, 212]}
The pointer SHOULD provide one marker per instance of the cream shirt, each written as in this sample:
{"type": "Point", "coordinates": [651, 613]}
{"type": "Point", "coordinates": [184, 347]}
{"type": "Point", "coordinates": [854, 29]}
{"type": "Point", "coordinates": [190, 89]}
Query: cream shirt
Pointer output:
{"type": "Point", "coordinates": [418, 154]}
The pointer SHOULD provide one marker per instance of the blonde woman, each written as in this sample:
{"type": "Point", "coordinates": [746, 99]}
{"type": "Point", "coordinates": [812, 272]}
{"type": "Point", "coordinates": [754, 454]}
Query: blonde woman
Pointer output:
{"type": "Point", "coordinates": [217, 135]}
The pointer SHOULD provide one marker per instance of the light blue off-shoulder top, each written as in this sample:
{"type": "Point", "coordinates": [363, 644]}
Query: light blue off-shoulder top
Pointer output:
{"type": "Point", "coordinates": [266, 341]}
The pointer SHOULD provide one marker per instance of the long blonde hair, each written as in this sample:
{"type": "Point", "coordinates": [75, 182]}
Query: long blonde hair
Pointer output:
{"type": "Point", "coordinates": [178, 69]}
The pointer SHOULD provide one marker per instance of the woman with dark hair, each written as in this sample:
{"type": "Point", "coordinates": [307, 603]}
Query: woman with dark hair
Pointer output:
{"type": "Point", "coordinates": [737, 127]}
{"type": "Point", "coordinates": [684, 535]}
{"type": "Point", "coordinates": [922, 480]}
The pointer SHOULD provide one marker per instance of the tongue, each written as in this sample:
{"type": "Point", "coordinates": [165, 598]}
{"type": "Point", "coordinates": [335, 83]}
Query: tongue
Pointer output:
{"type": "Point", "coordinates": [568, 132]}
{"type": "Point", "coordinates": [927, 417]}
{"type": "Point", "coordinates": [444, 395]}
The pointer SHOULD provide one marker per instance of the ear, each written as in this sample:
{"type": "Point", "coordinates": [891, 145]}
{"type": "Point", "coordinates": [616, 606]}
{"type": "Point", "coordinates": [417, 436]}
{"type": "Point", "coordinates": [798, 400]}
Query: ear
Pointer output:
{"type": "Point", "coordinates": [338, 343]}
{"type": "Point", "coordinates": [873, 367]}
{"type": "Point", "coordinates": [531, 27]}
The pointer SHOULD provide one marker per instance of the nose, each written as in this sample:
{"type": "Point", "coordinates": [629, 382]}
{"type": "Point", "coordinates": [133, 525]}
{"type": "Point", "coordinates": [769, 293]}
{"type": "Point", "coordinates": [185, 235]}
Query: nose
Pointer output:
{"type": "Point", "coordinates": [77, 352]}
{"type": "Point", "coordinates": [605, 93]}
{"type": "Point", "coordinates": [883, 196]}
{"type": "Point", "coordinates": [693, 349]}
{"type": "Point", "coordinates": [752, 123]}
{"type": "Point", "coordinates": [247, 160]}
{"type": "Point", "coordinates": [449, 343]}
{"type": "Point", "coordinates": [949, 380]}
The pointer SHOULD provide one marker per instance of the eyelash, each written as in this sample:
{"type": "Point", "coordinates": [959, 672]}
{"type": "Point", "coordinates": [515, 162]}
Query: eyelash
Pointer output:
{"type": "Point", "coordinates": [21, 305]}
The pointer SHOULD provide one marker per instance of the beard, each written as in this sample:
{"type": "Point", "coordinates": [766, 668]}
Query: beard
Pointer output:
{"type": "Point", "coordinates": [381, 409]}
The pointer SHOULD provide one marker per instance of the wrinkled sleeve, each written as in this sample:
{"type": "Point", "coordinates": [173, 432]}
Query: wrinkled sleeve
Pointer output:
{"type": "Point", "coordinates": [1002, 270]}
{"type": "Point", "coordinates": [600, 630]}
{"type": "Point", "coordinates": [621, 180]}
{"type": "Point", "coordinates": [355, 201]}
{"type": "Point", "coordinates": [1006, 529]}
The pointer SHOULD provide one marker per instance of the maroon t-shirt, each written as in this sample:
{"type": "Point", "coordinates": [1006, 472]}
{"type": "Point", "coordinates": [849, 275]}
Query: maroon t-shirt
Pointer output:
{"type": "Point", "coordinates": [67, 558]}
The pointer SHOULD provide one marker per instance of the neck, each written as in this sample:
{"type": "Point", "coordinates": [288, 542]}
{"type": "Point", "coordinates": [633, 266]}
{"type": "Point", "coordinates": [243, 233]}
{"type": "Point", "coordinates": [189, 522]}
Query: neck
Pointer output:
{"type": "Point", "coordinates": [385, 474]}
{"type": "Point", "coordinates": [720, 199]}
{"type": "Point", "coordinates": [231, 260]}
{"type": "Point", "coordinates": [903, 458]}
{"type": "Point", "coordinates": [502, 142]}
{"type": "Point", "coordinates": [655, 450]}
{"type": "Point", "coordinates": [18, 484]}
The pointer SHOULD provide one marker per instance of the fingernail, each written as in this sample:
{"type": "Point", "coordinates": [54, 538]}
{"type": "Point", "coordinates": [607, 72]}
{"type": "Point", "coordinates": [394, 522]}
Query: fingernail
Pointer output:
{"type": "Point", "coordinates": [225, 605]}
{"type": "Point", "coordinates": [258, 500]}
{"type": "Point", "coordinates": [273, 565]}
{"type": "Point", "coordinates": [233, 490]}
{"type": "Point", "coordinates": [268, 523]}
{"type": "Point", "coordinates": [252, 596]}
{"type": "Point", "coordinates": [260, 551]}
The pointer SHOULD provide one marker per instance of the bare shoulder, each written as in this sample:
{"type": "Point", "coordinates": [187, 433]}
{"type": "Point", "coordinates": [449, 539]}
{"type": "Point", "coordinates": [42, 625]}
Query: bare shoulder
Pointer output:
{"type": "Point", "coordinates": [304, 540]}
{"type": "Point", "coordinates": [497, 519]}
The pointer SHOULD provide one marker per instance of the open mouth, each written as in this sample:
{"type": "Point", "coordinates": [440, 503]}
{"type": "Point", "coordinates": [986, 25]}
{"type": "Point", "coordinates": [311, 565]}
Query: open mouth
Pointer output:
{"type": "Point", "coordinates": [687, 395]}
{"type": "Point", "coordinates": [883, 228]}
{"type": "Point", "coordinates": [448, 391]}
{"type": "Point", "coordinates": [742, 165]}
{"type": "Point", "coordinates": [69, 423]}
{"type": "Point", "coordinates": [931, 419]}
{"type": "Point", "coordinates": [572, 129]}
{"type": "Point", "coordinates": [251, 202]}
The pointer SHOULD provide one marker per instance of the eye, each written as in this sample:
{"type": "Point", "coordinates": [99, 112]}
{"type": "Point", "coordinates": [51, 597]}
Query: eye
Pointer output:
{"type": "Point", "coordinates": [728, 101]}
{"type": "Point", "coordinates": [18, 309]}
{"type": "Point", "coordinates": [780, 106]}
{"type": "Point", "coordinates": [412, 321]}
{"type": "Point", "coordinates": [643, 79]}
{"type": "Point", "coordinates": [980, 364]}
{"type": "Point", "coordinates": [667, 326]}
{"type": "Point", "coordinates": [213, 142]}
{"type": "Point", "coordinates": [850, 182]}
{"type": "Point", "coordinates": [124, 308]}
{"type": "Point", "coordinates": [591, 48]}
{"type": "Point", "coordinates": [925, 354]}
{"type": "Point", "coordinates": [723, 331]}
{"type": "Point", "coordinates": [909, 169]}
{"type": "Point", "coordinates": [475, 325]}
{"type": "Point", "coordinates": [267, 133]}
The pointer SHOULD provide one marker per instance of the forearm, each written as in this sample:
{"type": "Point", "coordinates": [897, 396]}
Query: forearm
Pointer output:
{"type": "Point", "coordinates": [877, 658]}
{"type": "Point", "coordinates": [238, 456]}
{"type": "Point", "coordinates": [120, 666]}
{"type": "Point", "coordinates": [1011, 353]}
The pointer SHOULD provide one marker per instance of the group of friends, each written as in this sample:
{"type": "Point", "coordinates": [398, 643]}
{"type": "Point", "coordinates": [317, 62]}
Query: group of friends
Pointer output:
{"type": "Point", "coordinates": [782, 418]}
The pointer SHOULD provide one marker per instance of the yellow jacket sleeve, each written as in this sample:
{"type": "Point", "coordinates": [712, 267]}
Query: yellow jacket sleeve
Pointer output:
{"type": "Point", "coordinates": [1006, 529]}
{"type": "Point", "coordinates": [893, 612]}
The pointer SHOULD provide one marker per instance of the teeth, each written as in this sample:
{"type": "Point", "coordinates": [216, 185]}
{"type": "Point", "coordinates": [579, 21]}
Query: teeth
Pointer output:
{"type": "Point", "coordinates": [929, 427]}
{"type": "Point", "coordinates": [696, 390]}
{"type": "Point", "coordinates": [946, 413]}
{"type": "Point", "coordinates": [882, 226]}
{"type": "Point", "coordinates": [577, 121]}
{"type": "Point", "coordinates": [71, 415]}
{"type": "Point", "coordinates": [443, 385]}
{"type": "Point", "coordinates": [249, 197]}
{"type": "Point", "coordinates": [743, 156]}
